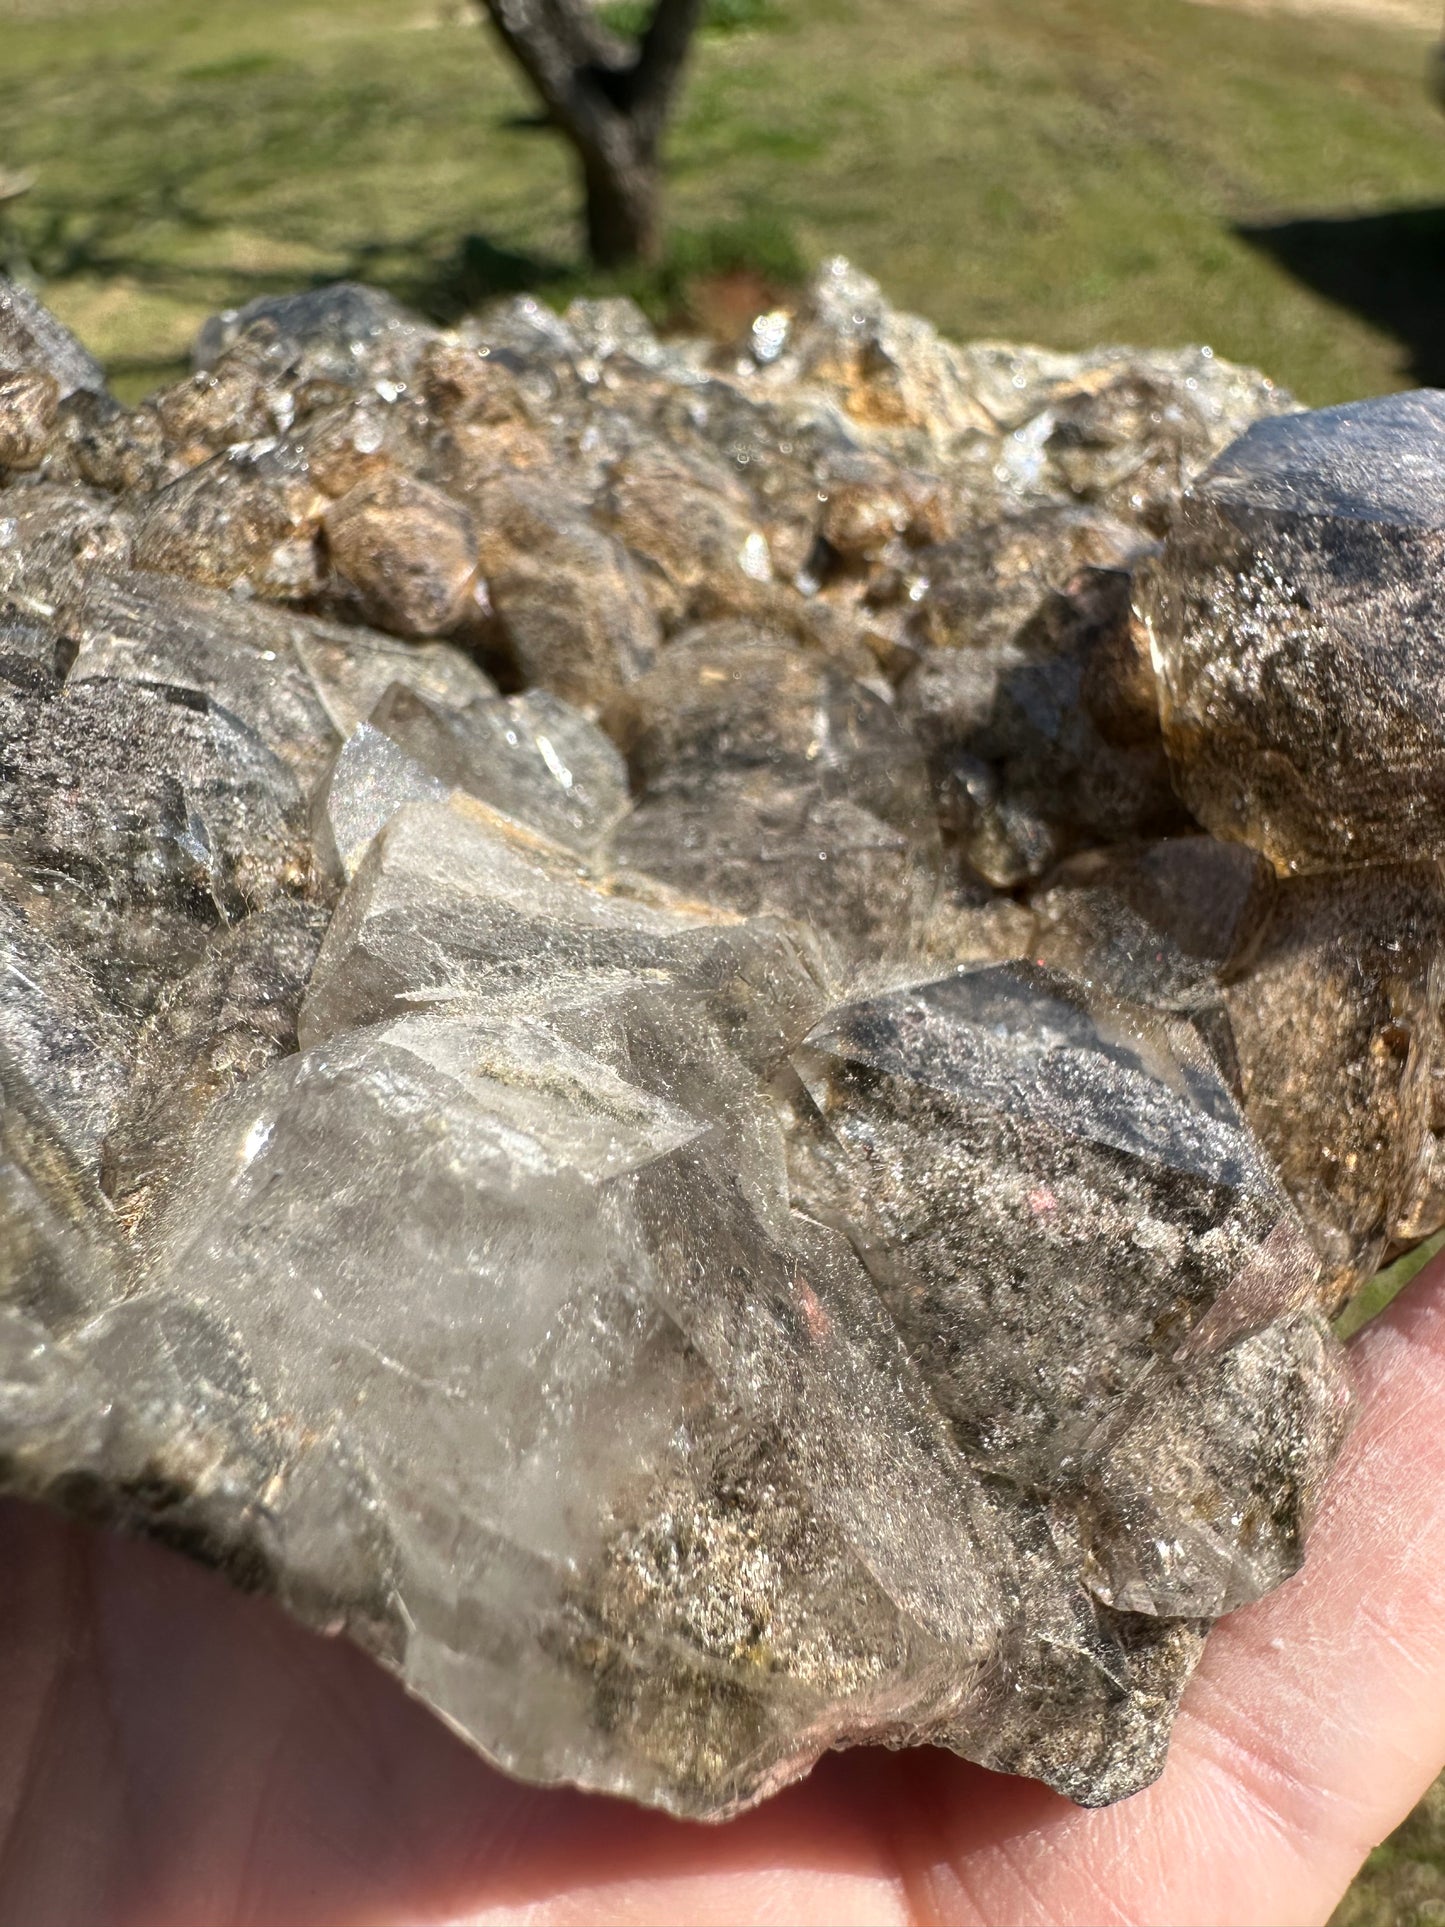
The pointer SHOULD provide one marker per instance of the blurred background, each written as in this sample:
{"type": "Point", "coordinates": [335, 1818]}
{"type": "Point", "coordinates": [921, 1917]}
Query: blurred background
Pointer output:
{"type": "Point", "coordinates": [1264, 175]}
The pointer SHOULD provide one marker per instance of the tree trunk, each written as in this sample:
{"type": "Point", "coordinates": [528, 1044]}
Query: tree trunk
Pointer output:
{"type": "Point", "coordinates": [612, 100]}
{"type": "Point", "coordinates": [623, 199]}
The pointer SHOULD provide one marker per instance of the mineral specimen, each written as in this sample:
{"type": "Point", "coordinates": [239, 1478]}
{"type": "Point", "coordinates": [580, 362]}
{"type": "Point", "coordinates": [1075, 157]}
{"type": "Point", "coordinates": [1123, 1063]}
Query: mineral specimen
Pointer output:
{"type": "Point", "coordinates": [1067, 1217]}
{"type": "Point", "coordinates": [407, 553]}
{"type": "Point", "coordinates": [1047, 739]}
{"type": "Point", "coordinates": [622, 1073]}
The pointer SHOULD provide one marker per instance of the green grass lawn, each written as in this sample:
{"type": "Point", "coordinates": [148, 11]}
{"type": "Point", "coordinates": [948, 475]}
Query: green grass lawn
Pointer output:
{"type": "Point", "coordinates": [1061, 170]}
{"type": "Point", "coordinates": [1403, 1882]}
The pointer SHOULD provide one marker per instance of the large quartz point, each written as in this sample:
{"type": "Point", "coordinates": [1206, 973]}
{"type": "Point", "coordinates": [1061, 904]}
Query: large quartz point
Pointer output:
{"type": "Point", "coordinates": [632, 1072]}
{"type": "Point", "coordinates": [1295, 622]}
{"type": "Point", "coordinates": [1015, 1158]}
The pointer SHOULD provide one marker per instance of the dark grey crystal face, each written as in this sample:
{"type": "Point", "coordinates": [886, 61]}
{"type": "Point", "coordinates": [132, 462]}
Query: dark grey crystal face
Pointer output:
{"type": "Point", "coordinates": [1337, 1027]}
{"type": "Point", "coordinates": [1294, 619]}
{"type": "Point", "coordinates": [1373, 461]}
{"type": "Point", "coordinates": [621, 1072]}
{"type": "Point", "coordinates": [767, 781]}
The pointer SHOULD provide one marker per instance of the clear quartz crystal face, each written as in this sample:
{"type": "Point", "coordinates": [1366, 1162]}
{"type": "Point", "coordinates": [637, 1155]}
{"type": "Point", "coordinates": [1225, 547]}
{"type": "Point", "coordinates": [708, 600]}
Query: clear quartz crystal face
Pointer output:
{"type": "Point", "coordinates": [659, 1048]}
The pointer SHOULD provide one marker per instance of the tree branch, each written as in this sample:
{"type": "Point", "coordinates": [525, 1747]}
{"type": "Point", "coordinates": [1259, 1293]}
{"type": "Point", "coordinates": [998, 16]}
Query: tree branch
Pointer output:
{"type": "Point", "coordinates": [610, 99]}
{"type": "Point", "coordinates": [564, 52]}
{"type": "Point", "coordinates": [583, 73]}
{"type": "Point", "coordinates": [661, 60]}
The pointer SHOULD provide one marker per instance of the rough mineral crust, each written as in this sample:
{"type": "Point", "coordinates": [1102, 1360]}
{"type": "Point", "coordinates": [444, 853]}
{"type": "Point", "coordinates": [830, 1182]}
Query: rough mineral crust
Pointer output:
{"type": "Point", "coordinates": [632, 1068]}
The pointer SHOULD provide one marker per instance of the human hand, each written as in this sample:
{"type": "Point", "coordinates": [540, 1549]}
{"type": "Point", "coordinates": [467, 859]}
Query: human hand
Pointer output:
{"type": "Point", "coordinates": [174, 1755]}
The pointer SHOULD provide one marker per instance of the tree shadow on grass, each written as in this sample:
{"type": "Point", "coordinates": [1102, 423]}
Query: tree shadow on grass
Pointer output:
{"type": "Point", "coordinates": [446, 287]}
{"type": "Point", "coordinates": [432, 271]}
{"type": "Point", "coordinates": [1388, 267]}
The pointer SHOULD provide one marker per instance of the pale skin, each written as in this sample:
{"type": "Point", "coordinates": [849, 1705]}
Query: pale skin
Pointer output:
{"type": "Point", "coordinates": [172, 1755]}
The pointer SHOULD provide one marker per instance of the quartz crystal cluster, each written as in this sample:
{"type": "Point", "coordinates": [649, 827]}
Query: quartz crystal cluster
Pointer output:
{"type": "Point", "coordinates": [696, 1036]}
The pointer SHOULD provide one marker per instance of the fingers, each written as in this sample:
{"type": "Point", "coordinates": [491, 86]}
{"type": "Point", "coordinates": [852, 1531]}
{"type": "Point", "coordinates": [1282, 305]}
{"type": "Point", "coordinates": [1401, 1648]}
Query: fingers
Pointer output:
{"type": "Point", "coordinates": [180, 1754]}
{"type": "Point", "coordinates": [1316, 1721]}
{"type": "Point", "coordinates": [175, 1755]}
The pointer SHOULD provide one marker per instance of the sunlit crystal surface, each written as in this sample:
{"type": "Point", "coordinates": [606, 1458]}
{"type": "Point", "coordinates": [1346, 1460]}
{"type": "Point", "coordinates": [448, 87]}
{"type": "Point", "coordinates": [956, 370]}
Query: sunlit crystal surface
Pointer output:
{"type": "Point", "coordinates": [1295, 619]}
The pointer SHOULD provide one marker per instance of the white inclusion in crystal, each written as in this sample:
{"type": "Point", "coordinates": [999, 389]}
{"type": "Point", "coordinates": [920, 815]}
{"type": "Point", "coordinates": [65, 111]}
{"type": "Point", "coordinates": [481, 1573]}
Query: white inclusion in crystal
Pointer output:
{"type": "Point", "coordinates": [554, 762]}
{"type": "Point", "coordinates": [755, 559]}
{"type": "Point", "coordinates": [1021, 458]}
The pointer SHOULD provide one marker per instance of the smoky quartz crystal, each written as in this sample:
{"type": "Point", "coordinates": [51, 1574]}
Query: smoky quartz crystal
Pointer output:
{"type": "Point", "coordinates": [696, 1035]}
{"type": "Point", "coordinates": [1291, 623]}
